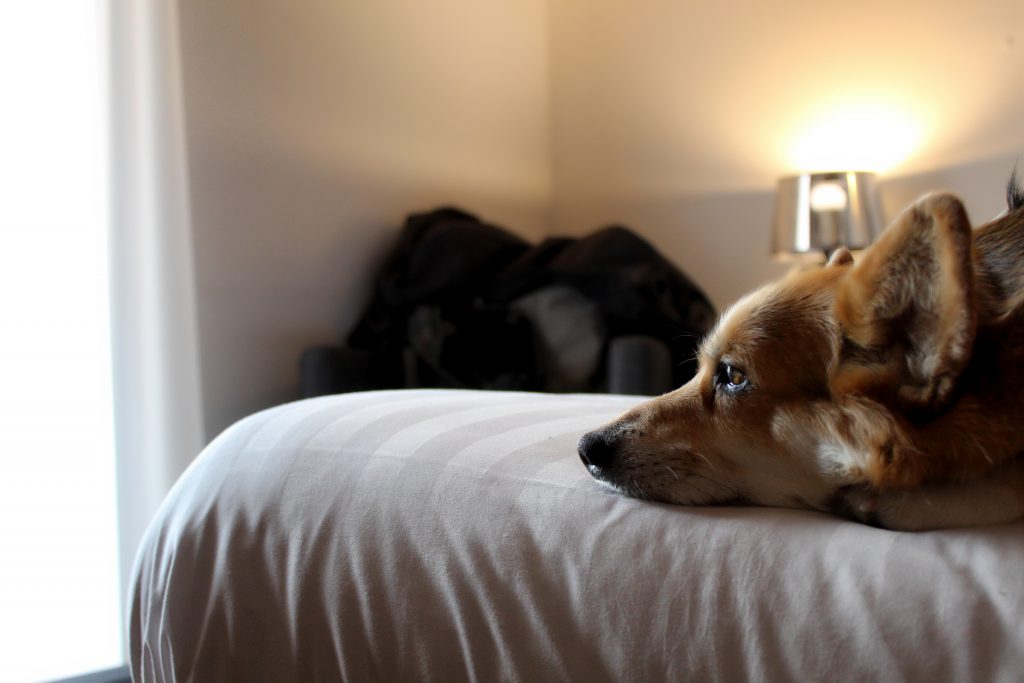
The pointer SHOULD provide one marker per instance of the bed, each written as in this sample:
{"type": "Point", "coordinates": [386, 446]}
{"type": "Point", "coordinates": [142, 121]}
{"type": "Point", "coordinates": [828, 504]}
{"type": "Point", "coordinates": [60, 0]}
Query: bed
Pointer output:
{"type": "Point", "coordinates": [454, 535]}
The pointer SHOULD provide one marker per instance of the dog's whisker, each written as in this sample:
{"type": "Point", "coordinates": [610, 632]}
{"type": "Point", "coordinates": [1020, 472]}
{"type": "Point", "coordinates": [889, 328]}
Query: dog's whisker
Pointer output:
{"type": "Point", "coordinates": [980, 447]}
{"type": "Point", "coordinates": [727, 487]}
{"type": "Point", "coordinates": [699, 489]}
{"type": "Point", "coordinates": [705, 459]}
{"type": "Point", "coordinates": [672, 471]}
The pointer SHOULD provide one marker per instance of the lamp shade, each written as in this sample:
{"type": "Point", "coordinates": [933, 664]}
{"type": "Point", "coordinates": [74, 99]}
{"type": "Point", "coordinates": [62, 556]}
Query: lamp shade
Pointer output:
{"type": "Point", "coordinates": [815, 213]}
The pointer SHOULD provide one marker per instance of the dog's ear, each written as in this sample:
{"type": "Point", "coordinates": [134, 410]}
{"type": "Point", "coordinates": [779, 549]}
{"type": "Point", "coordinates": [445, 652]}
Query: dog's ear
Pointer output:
{"type": "Point", "coordinates": [840, 257]}
{"type": "Point", "coordinates": [908, 309]}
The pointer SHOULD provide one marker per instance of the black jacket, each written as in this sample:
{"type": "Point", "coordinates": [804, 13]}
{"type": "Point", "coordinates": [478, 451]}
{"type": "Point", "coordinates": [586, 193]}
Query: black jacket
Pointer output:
{"type": "Point", "coordinates": [448, 290]}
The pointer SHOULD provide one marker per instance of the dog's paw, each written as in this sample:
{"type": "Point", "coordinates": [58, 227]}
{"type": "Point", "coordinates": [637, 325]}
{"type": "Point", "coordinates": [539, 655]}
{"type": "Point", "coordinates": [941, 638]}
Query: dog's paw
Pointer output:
{"type": "Point", "coordinates": [996, 498]}
{"type": "Point", "coordinates": [912, 510]}
{"type": "Point", "coordinates": [863, 504]}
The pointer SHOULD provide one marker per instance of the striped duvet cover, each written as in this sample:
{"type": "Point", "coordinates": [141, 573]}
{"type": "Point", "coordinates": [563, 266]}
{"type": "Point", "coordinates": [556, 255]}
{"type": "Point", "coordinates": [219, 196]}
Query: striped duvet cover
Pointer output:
{"type": "Point", "coordinates": [454, 535]}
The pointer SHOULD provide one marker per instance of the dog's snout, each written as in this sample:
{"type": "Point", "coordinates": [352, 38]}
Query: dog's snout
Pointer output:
{"type": "Point", "coordinates": [597, 448]}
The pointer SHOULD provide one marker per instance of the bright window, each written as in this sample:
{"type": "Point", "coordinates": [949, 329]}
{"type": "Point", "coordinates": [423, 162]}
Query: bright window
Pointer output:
{"type": "Point", "coordinates": [59, 603]}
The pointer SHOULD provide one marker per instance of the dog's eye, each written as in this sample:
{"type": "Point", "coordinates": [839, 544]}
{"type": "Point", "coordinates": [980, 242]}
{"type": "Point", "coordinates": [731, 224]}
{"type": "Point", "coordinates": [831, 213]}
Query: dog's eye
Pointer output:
{"type": "Point", "coordinates": [732, 379]}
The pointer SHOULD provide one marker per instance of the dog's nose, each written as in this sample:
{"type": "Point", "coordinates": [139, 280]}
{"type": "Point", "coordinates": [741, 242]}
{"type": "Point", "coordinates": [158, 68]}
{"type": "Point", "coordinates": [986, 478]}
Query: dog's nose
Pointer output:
{"type": "Point", "coordinates": [596, 448]}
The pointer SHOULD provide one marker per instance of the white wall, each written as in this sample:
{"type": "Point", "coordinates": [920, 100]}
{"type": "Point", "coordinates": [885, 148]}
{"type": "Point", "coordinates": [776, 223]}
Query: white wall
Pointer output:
{"type": "Point", "coordinates": [677, 117]}
{"type": "Point", "coordinates": [314, 126]}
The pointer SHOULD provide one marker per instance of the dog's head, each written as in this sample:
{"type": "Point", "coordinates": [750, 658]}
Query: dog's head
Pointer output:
{"type": "Point", "coordinates": [810, 386]}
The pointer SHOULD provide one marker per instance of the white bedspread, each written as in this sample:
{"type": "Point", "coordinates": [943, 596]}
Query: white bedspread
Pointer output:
{"type": "Point", "coordinates": [450, 535]}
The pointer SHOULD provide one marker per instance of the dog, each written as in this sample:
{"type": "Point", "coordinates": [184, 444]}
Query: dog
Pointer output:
{"type": "Point", "coordinates": [890, 390]}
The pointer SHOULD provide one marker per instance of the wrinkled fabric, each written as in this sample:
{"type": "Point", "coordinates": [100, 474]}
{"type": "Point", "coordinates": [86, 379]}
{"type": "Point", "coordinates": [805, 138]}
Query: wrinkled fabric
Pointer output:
{"type": "Point", "coordinates": [454, 535]}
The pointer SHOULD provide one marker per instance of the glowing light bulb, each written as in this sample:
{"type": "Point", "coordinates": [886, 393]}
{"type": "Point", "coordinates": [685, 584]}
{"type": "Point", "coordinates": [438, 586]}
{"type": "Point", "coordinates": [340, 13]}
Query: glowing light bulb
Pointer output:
{"type": "Point", "coordinates": [828, 196]}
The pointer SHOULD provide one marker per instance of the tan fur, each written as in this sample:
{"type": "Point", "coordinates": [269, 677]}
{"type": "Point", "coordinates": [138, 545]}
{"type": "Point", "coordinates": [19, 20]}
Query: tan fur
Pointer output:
{"type": "Point", "coordinates": [871, 388]}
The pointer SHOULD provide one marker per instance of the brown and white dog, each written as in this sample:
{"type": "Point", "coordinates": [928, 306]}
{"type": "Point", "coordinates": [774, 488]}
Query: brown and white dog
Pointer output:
{"type": "Point", "coordinates": [890, 390]}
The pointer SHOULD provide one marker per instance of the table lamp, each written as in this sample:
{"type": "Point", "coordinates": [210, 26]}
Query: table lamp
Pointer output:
{"type": "Point", "coordinates": [816, 213]}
